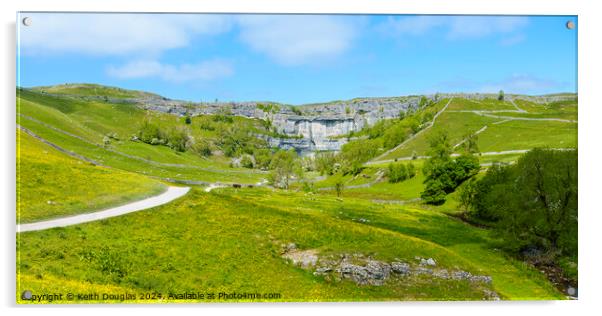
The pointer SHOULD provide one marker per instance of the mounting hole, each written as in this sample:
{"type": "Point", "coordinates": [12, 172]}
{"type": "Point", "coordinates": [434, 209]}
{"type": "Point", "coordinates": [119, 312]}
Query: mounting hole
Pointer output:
{"type": "Point", "coordinates": [570, 25]}
{"type": "Point", "coordinates": [26, 21]}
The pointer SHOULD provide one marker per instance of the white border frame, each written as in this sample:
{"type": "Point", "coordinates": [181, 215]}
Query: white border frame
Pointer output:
{"type": "Point", "coordinates": [589, 130]}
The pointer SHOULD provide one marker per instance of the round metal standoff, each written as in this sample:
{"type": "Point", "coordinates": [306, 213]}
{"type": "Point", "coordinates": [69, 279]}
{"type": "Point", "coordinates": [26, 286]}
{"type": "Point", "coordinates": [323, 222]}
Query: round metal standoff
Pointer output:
{"type": "Point", "coordinates": [570, 25]}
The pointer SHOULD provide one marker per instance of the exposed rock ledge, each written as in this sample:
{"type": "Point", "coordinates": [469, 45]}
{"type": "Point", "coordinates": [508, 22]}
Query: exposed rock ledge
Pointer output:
{"type": "Point", "coordinates": [366, 271]}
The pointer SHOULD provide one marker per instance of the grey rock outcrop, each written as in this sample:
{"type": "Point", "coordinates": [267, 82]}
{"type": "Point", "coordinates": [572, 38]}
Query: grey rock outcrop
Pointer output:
{"type": "Point", "coordinates": [366, 271]}
{"type": "Point", "coordinates": [373, 272]}
{"type": "Point", "coordinates": [308, 128]}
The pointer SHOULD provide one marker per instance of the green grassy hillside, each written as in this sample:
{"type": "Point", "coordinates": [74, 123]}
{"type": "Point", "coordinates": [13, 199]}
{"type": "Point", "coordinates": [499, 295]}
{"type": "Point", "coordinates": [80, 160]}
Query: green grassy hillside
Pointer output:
{"type": "Point", "coordinates": [81, 126]}
{"type": "Point", "coordinates": [52, 184]}
{"type": "Point", "coordinates": [233, 240]}
{"type": "Point", "coordinates": [501, 126]}
{"type": "Point", "coordinates": [93, 90]}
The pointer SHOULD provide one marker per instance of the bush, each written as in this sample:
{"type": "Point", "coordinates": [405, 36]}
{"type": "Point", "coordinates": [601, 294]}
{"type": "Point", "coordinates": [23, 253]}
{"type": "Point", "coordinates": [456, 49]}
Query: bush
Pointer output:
{"type": "Point", "coordinates": [246, 162]}
{"type": "Point", "coordinates": [263, 157]}
{"type": "Point", "coordinates": [434, 192]}
{"type": "Point", "coordinates": [156, 141]}
{"type": "Point", "coordinates": [427, 117]}
{"type": "Point", "coordinates": [308, 187]}
{"type": "Point", "coordinates": [178, 138]}
{"type": "Point", "coordinates": [325, 162]}
{"type": "Point", "coordinates": [397, 173]}
{"type": "Point", "coordinates": [414, 124]}
{"type": "Point", "coordinates": [411, 170]}
{"type": "Point", "coordinates": [296, 110]}
{"type": "Point", "coordinates": [402, 115]}
{"type": "Point", "coordinates": [355, 153]}
{"type": "Point", "coordinates": [148, 131]}
{"type": "Point", "coordinates": [206, 124]}
{"type": "Point", "coordinates": [201, 148]}
{"type": "Point", "coordinates": [394, 136]}
{"type": "Point", "coordinates": [423, 102]}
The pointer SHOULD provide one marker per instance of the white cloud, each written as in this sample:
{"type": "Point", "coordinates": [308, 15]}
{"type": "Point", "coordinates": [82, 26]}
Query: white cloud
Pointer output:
{"type": "Point", "coordinates": [115, 34]}
{"type": "Point", "coordinates": [287, 39]}
{"type": "Point", "coordinates": [454, 27]}
{"type": "Point", "coordinates": [521, 83]}
{"type": "Point", "coordinates": [204, 71]}
{"type": "Point", "coordinates": [297, 39]}
{"type": "Point", "coordinates": [414, 25]}
{"type": "Point", "coordinates": [462, 27]}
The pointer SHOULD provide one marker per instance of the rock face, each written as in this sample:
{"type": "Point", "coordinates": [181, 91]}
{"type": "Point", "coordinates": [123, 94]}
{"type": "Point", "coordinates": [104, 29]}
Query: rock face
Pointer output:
{"type": "Point", "coordinates": [308, 128]}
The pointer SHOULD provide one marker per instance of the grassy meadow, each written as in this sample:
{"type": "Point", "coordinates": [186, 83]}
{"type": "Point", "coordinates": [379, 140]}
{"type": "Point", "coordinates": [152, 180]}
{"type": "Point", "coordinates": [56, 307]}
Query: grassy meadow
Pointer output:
{"type": "Point", "coordinates": [236, 237]}
{"type": "Point", "coordinates": [52, 184]}
{"type": "Point", "coordinates": [231, 239]}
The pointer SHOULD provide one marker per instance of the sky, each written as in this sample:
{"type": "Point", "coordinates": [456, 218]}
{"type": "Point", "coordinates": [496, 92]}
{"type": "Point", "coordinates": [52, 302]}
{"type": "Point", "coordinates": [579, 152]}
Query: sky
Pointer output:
{"type": "Point", "coordinates": [299, 59]}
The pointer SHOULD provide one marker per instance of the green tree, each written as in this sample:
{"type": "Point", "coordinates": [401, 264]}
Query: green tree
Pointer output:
{"type": "Point", "coordinates": [283, 166]}
{"type": "Point", "coordinates": [500, 95]}
{"type": "Point", "coordinates": [470, 144]}
{"type": "Point", "coordinates": [339, 186]}
{"type": "Point", "coordinates": [467, 191]}
{"type": "Point", "coordinates": [534, 202]}
{"type": "Point", "coordinates": [444, 174]}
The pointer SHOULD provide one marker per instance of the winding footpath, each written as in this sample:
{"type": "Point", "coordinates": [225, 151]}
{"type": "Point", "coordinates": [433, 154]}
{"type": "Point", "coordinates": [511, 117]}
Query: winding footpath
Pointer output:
{"type": "Point", "coordinates": [488, 153]}
{"type": "Point", "coordinates": [171, 194]}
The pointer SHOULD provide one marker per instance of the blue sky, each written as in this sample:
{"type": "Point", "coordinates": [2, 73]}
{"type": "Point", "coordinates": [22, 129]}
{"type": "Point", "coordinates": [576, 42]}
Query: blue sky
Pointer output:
{"type": "Point", "coordinates": [299, 59]}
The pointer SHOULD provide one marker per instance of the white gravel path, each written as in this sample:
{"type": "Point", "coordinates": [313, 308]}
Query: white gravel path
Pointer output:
{"type": "Point", "coordinates": [171, 194]}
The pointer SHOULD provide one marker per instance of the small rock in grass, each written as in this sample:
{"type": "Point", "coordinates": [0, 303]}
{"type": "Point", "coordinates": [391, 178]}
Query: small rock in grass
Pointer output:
{"type": "Point", "coordinates": [461, 275]}
{"type": "Point", "coordinates": [290, 247]}
{"type": "Point", "coordinates": [481, 278]}
{"type": "Point", "coordinates": [428, 262]}
{"type": "Point", "coordinates": [442, 274]}
{"type": "Point", "coordinates": [423, 270]}
{"type": "Point", "coordinates": [400, 267]}
{"type": "Point", "coordinates": [322, 270]}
